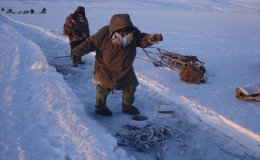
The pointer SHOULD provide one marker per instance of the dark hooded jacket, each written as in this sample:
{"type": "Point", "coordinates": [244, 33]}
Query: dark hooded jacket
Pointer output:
{"type": "Point", "coordinates": [74, 29]}
{"type": "Point", "coordinates": [113, 64]}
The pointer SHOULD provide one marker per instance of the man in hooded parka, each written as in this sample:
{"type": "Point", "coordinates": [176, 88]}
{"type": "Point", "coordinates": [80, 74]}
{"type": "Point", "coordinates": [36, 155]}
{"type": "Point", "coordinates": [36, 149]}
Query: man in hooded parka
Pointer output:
{"type": "Point", "coordinates": [43, 11]}
{"type": "Point", "coordinates": [115, 47]}
{"type": "Point", "coordinates": [76, 29]}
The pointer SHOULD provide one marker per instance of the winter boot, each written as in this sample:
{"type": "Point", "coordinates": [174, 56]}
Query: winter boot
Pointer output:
{"type": "Point", "coordinates": [103, 110]}
{"type": "Point", "coordinates": [127, 101]}
{"type": "Point", "coordinates": [101, 99]}
{"type": "Point", "coordinates": [130, 110]}
{"type": "Point", "coordinates": [80, 61]}
{"type": "Point", "coordinates": [74, 64]}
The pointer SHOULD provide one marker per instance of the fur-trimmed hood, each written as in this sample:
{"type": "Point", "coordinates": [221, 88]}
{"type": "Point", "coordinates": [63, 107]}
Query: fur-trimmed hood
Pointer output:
{"type": "Point", "coordinates": [119, 21]}
{"type": "Point", "coordinates": [81, 10]}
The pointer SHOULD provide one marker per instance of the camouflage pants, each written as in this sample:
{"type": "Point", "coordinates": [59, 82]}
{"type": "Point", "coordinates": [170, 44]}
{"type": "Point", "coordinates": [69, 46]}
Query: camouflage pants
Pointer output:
{"type": "Point", "coordinates": [128, 97]}
{"type": "Point", "coordinates": [102, 93]}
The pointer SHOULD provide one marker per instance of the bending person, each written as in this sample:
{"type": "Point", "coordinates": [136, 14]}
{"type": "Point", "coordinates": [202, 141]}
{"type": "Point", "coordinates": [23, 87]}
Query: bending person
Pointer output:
{"type": "Point", "coordinates": [115, 47]}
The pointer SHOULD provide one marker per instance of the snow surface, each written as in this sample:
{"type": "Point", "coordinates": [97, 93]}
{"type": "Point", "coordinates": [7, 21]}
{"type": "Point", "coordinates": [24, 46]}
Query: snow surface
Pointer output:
{"type": "Point", "coordinates": [47, 115]}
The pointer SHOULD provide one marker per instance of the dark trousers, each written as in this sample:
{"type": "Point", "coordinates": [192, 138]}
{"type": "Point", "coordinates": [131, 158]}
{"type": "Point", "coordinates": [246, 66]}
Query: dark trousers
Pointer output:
{"type": "Point", "coordinates": [74, 44]}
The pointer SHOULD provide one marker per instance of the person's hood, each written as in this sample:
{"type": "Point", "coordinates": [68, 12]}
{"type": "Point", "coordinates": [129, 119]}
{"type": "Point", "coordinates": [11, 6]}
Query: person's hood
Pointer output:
{"type": "Point", "coordinates": [119, 21]}
{"type": "Point", "coordinates": [81, 10]}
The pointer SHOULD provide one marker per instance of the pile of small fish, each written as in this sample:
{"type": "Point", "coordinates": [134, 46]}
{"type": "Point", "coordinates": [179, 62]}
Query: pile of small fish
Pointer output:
{"type": "Point", "coordinates": [62, 69]}
{"type": "Point", "coordinates": [152, 136]}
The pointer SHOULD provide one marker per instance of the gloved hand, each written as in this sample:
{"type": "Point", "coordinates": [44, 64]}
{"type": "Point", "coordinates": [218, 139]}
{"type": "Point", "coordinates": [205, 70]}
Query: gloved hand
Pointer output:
{"type": "Point", "coordinates": [74, 57]}
{"type": "Point", "coordinates": [155, 38]}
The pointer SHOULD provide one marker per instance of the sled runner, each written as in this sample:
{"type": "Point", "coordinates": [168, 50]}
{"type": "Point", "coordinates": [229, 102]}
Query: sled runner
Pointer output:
{"type": "Point", "coordinates": [191, 69]}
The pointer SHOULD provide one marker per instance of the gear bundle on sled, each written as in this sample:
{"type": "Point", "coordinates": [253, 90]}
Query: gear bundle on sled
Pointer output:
{"type": "Point", "coordinates": [191, 69]}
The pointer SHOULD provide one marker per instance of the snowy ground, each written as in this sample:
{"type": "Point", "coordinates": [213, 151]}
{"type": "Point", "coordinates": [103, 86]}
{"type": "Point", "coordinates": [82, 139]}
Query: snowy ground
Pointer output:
{"type": "Point", "coordinates": [46, 115]}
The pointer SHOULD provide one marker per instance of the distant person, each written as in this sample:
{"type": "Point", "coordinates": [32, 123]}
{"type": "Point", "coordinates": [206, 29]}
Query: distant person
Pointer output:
{"type": "Point", "coordinates": [10, 11]}
{"type": "Point", "coordinates": [32, 11]}
{"type": "Point", "coordinates": [115, 46]}
{"type": "Point", "coordinates": [76, 28]}
{"type": "Point", "coordinates": [3, 9]}
{"type": "Point", "coordinates": [25, 12]}
{"type": "Point", "coordinates": [43, 11]}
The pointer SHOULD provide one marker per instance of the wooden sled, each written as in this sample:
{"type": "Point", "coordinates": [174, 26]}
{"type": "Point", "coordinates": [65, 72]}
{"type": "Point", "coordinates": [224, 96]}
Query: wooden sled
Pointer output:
{"type": "Point", "coordinates": [251, 92]}
{"type": "Point", "coordinates": [179, 63]}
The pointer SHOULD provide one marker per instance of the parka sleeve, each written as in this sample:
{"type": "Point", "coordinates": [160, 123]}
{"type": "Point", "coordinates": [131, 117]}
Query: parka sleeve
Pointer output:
{"type": "Point", "coordinates": [89, 45]}
{"type": "Point", "coordinates": [143, 39]}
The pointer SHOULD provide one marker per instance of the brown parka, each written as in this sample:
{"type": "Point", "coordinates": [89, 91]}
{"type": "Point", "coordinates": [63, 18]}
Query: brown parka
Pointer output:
{"type": "Point", "coordinates": [74, 29]}
{"type": "Point", "coordinates": [113, 64]}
